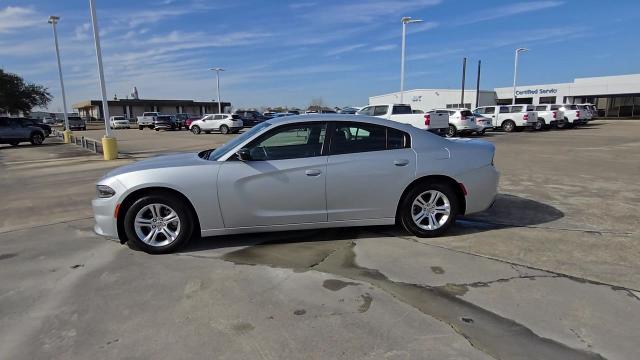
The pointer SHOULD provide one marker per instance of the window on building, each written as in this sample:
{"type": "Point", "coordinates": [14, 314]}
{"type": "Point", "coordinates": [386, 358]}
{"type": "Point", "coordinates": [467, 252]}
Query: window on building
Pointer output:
{"type": "Point", "coordinates": [547, 100]}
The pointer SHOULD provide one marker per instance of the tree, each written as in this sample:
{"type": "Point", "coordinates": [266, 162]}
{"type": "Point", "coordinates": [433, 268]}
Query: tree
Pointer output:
{"type": "Point", "coordinates": [16, 95]}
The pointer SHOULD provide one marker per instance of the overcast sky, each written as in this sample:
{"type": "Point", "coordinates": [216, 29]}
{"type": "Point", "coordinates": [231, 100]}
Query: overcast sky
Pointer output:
{"type": "Point", "coordinates": [286, 53]}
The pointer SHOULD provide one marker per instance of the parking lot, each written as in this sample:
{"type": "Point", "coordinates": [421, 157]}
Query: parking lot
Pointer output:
{"type": "Point", "coordinates": [551, 271]}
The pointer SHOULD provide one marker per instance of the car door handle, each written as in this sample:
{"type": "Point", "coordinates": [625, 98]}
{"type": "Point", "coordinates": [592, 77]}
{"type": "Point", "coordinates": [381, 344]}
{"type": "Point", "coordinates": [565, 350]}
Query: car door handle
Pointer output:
{"type": "Point", "coordinates": [402, 162]}
{"type": "Point", "coordinates": [313, 172]}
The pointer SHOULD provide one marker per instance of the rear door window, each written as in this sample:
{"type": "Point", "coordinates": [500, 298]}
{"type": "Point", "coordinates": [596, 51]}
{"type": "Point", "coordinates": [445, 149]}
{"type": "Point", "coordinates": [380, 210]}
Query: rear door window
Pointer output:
{"type": "Point", "coordinates": [515, 109]}
{"type": "Point", "coordinates": [351, 137]}
{"type": "Point", "coordinates": [380, 110]}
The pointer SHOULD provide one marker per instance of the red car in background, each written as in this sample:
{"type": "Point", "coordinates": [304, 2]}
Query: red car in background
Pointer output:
{"type": "Point", "coordinates": [189, 119]}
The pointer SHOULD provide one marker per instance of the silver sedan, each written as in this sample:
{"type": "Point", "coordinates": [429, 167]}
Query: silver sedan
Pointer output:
{"type": "Point", "coordinates": [299, 172]}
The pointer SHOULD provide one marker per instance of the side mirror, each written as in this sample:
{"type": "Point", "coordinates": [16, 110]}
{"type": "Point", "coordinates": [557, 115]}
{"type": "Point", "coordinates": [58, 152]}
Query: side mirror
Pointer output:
{"type": "Point", "coordinates": [244, 155]}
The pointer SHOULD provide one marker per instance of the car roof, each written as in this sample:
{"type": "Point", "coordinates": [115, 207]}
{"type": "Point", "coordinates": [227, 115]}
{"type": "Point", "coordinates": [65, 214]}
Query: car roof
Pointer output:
{"type": "Point", "coordinates": [342, 117]}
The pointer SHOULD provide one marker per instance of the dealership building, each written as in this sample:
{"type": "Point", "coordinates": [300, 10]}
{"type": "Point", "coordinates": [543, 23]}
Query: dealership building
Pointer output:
{"type": "Point", "coordinates": [614, 96]}
{"type": "Point", "coordinates": [131, 108]}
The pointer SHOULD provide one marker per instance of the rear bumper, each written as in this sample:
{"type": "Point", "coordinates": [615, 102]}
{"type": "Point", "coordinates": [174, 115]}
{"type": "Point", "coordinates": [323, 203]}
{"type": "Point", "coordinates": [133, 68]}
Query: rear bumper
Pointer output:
{"type": "Point", "coordinates": [482, 188]}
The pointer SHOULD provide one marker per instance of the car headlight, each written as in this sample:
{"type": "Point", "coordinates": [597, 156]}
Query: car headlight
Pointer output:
{"type": "Point", "coordinates": [105, 192]}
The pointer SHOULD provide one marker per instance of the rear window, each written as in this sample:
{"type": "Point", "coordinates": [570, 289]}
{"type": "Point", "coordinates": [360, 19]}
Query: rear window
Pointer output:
{"type": "Point", "coordinates": [555, 107]}
{"type": "Point", "coordinates": [235, 116]}
{"type": "Point", "coordinates": [118, 118]}
{"type": "Point", "coordinates": [466, 113]}
{"type": "Point", "coordinates": [541, 108]}
{"type": "Point", "coordinates": [530, 108]}
{"type": "Point", "coordinates": [401, 110]}
{"type": "Point", "coordinates": [572, 107]}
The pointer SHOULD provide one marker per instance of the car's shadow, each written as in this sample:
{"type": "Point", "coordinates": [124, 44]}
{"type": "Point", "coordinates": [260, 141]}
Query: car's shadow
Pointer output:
{"type": "Point", "coordinates": [508, 211]}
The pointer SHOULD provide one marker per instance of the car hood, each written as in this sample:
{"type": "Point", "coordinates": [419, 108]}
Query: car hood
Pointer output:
{"type": "Point", "coordinates": [158, 162]}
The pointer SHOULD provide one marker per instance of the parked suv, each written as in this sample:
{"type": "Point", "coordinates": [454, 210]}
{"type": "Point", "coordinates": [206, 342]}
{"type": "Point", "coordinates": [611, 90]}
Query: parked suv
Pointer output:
{"type": "Point", "coordinates": [166, 122]}
{"type": "Point", "coordinates": [250, 117]}
{"type": "Point", "coordinates": [37, 123]}
{"type": "Point", "coordinates": [13, 131]}
{"type": "Point", "coordinates": [76, 123]}
{"type": "Point", "coordinates": [461, 121]}
{"type": "Point", "coordinates": [549, 115]}
{"type": "Point", "coordinates": [225, 123]}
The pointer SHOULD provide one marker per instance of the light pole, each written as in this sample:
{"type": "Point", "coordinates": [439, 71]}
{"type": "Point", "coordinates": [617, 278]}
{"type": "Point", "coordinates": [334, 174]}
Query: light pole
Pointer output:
{"type": "Point", "coordinates": [405, 20]}
{"type": "Point", "coordinates": [109, 143]}
{"type": "Point", "coordinates": [53, 20]}
{"type": "Point", "coordinates": [217, 70]}
{"type": "Point", "coordinates": [515, 73]}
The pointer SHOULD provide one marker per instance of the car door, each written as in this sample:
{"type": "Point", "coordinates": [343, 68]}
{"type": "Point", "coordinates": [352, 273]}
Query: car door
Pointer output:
{"type": "Point", "coordinates": [207, 123]}
{"type": "Point", "coordinates": [6, 131]}
{"type": "Point", "coordinates": [283, 182]}
{"type": "Point", "coordinates": [368, 168]}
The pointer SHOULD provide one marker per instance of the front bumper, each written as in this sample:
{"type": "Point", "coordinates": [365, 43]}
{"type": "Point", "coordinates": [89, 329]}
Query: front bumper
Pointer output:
{"type": "Point", "coordinates": [104, 214]}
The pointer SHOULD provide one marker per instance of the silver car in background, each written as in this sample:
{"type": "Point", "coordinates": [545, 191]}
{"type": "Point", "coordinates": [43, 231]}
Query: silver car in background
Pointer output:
{"type": "Point", "coordinates": [299, 172]}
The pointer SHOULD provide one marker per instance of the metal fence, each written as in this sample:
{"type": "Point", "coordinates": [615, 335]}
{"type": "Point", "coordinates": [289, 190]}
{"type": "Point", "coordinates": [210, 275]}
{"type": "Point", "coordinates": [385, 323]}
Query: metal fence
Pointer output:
{"type": "Point", "coordinates": [85, 142]}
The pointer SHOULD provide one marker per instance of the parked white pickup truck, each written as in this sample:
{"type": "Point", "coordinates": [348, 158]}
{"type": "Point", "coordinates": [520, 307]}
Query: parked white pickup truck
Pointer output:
{"type": "Point", "coordinates": [434, 121]}
{"type": "Point", "coordinates": [147, 120]}
{"type": "Point", "coordinates": [503, 117]}
{"type": "Point", "coordinates": [549, 115]}
{"type": "Point", "coordinates": [572, 115]}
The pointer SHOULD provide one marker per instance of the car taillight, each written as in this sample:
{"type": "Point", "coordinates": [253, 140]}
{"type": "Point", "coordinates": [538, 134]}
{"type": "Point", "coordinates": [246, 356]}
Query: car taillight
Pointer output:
{"type": "Point", "coordinates": [427, 119]}
{"type": "Point", "coordinates": [526, 116]}
{"type": "Point", "coordinates": [555, 114]}
{"type": "Point", "coordinates": [578, 113]}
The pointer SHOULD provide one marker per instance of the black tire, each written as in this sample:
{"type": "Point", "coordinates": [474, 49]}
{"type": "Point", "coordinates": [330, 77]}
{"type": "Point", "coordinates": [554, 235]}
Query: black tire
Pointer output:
{"type": "Point", "coordinates": [508, 126]}
{"type": "Point", "coordinates": [14, 143]}
{"type": "Point", "coordinates": [184, 214]}
{"type": "Point", "coordinates": [140, 127]}
{"type": "Point", "coordinates": [224, 129]}
{"type": "Point", "coordinates": [36, 139]}
{"type": "Point", "coordinates": [406, 209]}
{"type": "Point", "coordinates": [451, 131]}
{"type": "Point", "coordinates": [540, 125]}
{"type": "Point", "coordinates": [481, 132]}
{"type": "Point", "coordinates": [195, 129]}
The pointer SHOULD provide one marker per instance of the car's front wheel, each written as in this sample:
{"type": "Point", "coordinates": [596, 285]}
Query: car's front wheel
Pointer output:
{"type": "Point", "coordinates": [158, 224]}
{"type": "Point", "coordinates": [195, 129]}
{"type": "Point", "coordinates": [36, 139]}
{"type": "Point", "coordinates": [429, 209]}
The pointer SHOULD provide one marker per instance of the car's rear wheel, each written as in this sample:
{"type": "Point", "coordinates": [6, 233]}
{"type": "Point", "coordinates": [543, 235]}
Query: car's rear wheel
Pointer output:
{"type": "Point", "coordinates": [36, 138]}
{"type": "Point", "coordinates": [195, 129]}
{"type": "Point", "coordinates": [140, 127]}
{"type": "Point", "coordinates": [429, 209]}
{"type": "Point", "coordinates": [158, 224]}
{"type": "Point", "coordinates": [224, 129]}
{"type": "Point", "coordinates": [451, 131]}
{"type": "Point", "coordinates": [540, 125]}
{"type": "Point", "coordinates": [14, 143]}
{"type": "Point", "coordinates": [508, 126]}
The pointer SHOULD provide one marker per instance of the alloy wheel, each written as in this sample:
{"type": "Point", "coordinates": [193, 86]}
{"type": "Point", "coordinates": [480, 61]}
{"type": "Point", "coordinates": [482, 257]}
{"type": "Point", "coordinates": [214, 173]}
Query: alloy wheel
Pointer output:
{"type": "Point", "coordinates": [157, 225]}
{"type": "Point", "coordinates": [430, 210]}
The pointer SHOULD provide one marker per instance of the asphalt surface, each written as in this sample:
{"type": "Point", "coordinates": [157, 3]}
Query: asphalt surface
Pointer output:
{"type": "Point", "coordinates": [552, 271]}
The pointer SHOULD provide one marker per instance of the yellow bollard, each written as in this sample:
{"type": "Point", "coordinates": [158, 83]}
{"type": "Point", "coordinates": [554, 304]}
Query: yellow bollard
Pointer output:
{"type": "Point", "coordinates": [66, 136]}
{"type": "Point", "coordinates": [109, 148]}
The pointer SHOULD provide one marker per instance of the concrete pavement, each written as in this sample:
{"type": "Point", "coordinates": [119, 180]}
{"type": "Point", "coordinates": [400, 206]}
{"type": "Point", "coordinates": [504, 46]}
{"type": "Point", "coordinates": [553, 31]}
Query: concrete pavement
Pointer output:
{"type": "Point", "coordinates": [551, 272]}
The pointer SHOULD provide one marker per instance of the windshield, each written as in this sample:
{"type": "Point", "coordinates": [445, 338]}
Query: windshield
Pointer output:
{"type": "Point", "coordinates": [217, 153]}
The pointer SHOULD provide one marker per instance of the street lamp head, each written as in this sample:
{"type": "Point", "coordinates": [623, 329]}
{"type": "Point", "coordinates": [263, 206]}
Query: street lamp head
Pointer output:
{"type": "Point", "coordinates": [519, 50]}
{"type": "Point", "coordinates": [53, 19]}
{"type": "Point", "coordinates": [216, 69]}
{"type": "Point", "coordinates": [409, 20]}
